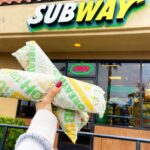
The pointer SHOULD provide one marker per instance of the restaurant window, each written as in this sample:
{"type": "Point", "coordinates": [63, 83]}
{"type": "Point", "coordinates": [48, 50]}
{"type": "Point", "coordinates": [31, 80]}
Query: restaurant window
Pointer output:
{"type": "Point", "coordinates": [25, 109]}
{"type": "Point", "coordinates": [61, 66]}
{"type": "Point", "coordinates": [124, 91]}
{"type": "Point", "coordinates": [121, 82]}
{"type": "Point", "coordinates": [146, 94]}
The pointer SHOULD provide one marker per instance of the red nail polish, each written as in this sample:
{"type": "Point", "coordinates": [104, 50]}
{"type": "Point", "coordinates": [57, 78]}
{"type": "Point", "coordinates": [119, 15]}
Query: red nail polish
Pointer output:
{"type": "Point", "coordinates": [58, 84]}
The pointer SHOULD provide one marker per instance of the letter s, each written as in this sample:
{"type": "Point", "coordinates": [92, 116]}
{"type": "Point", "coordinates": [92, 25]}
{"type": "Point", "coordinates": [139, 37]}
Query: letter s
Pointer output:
{"type": "Point", "coordinates": [36, 20]}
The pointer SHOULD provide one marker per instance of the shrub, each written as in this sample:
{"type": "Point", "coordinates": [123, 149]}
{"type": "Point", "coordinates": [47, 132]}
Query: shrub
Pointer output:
{"type": "Point", "coordinates": [13, 134]}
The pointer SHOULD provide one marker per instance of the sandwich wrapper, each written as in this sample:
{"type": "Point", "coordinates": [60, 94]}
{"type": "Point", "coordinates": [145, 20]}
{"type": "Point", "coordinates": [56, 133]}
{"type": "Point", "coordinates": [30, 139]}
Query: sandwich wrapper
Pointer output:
{"type": "Point", "coordinates": [73, 103]}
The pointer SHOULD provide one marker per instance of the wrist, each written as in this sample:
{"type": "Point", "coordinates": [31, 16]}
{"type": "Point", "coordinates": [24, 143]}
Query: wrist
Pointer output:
{"type": "Point", "coordinates": [41, 105]}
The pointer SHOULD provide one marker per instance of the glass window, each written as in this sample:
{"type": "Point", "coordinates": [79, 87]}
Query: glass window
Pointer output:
{"type": "Point", "coordinates": [26, 109]}
{"type": "Point", "coordinates": [120, 81]}
{"type": "Point", "coordinates": [146, 94]}
{"type": "Point", "coordinates": [81, 69]}
{"type": "Point", "coordinates": [61, 66]}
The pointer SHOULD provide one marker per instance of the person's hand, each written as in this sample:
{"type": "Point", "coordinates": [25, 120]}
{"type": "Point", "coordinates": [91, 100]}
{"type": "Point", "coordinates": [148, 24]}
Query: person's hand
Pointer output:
{"type": "Point", "coordinates": [46, 101]}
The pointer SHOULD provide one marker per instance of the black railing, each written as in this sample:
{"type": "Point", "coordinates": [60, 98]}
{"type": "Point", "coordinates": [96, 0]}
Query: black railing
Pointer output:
{"type": "Point", "coordinates": [137, 140]}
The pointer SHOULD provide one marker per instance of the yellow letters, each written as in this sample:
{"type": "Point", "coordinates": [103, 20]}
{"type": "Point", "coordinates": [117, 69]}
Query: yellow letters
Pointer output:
{"type": "Point", "coordinates": [88, 11]}
{"type": "Point", "coordinates": [107, 11]}
{"type": "Point", "coordinates": [124, 7]}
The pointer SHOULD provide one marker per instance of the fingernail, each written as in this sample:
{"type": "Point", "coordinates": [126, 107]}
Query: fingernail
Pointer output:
{"type": "Point", "coordinates": [58, 84]}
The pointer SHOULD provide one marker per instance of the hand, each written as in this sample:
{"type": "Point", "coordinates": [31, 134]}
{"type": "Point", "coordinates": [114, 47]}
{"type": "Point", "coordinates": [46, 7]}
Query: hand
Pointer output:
{"type": "Point", "coordinates": [47, 100]}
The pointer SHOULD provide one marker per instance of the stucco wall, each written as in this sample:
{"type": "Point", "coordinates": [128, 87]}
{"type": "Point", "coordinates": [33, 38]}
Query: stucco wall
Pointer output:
{"type": "Point", "coordinates": [8, 106]}
{"type": "Point", "coordinates": [13, 18]}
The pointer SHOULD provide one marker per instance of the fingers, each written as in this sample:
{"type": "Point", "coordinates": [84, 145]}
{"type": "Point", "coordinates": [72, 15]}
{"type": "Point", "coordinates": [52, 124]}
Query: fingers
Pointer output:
{"type": "Point", "coordinates": [53, 92]}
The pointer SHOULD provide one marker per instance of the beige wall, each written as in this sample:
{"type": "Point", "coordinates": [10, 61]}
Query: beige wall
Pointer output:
{"type": "Point", "coordinates": [8, 61]}
{"type": "Point", "coordinates": [130, 55]}
{"type": "Point", "coordinates": [8, 106]}
{"type": "Point", "coordinates": [13, 18]}
{"type": "Point", "coordinates": [133, 36]}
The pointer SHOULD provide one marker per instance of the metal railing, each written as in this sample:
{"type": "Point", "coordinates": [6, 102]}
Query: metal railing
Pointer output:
{"type": "Point", "coordinates": [124, 138]}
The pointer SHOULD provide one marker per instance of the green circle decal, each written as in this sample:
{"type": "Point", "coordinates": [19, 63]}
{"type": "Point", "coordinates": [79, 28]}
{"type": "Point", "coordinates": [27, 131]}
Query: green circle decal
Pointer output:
{"type": "Point", "coordinates": [81, 69]}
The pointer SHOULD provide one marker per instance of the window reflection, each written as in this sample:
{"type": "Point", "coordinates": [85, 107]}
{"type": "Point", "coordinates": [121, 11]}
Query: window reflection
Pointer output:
{"type": "Point", "coordinates": [61, 67]}
{"type": "Point", "coordinates": [146, 94]}
{"type": "Point", "coordinates": [121, 83]}
{"type": "Point", "coordinates": [26, 109]}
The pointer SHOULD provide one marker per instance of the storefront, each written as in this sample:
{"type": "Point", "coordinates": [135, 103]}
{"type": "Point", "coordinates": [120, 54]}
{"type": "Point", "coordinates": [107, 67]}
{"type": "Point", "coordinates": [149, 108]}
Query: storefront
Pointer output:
{"type": "Point", "coordinates": [115, 57]}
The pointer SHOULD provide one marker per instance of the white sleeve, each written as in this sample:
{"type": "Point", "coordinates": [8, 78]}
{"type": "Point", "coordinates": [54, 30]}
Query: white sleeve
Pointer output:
{"type": "Point", "coordinates": [44, 123]}
{"type": "Point", "coordinates": [31, 144]}
{"type": "Point", "coordinates": [43, 126]}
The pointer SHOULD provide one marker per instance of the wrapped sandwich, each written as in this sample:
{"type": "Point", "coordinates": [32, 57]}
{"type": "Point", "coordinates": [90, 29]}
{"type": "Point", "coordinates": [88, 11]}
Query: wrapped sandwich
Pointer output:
{"type": "Point", "coordinates": [75, 100]}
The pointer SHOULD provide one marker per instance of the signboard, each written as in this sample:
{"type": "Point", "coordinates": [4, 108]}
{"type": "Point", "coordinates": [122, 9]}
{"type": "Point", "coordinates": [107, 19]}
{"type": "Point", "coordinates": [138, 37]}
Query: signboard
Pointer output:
{"type": "Point", "coordinates": [81, 69]}
{"type": "Point", "coordinates": [82, 14]}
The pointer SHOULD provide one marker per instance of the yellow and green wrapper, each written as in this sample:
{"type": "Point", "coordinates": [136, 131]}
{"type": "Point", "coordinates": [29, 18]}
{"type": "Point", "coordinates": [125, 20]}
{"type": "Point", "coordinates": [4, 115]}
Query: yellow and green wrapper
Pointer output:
{"type": "Point", "coordinates": [72, 103]}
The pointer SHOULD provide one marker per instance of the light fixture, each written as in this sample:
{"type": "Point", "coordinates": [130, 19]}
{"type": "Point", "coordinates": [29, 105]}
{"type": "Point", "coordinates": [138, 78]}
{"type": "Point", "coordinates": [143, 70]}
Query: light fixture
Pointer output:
{"type": "Point", "coordinates": [110, 65]}
{"type": "Point", "coordinates": [115, 77]}
{"type": "Point", "coordinates": [147, 90]}
{"type": "Point", "coordinates": [77, 45]}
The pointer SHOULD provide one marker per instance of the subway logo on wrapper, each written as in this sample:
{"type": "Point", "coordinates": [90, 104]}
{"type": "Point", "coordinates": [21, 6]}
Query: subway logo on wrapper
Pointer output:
{"type": "Point", "coordinates": [82, 14]}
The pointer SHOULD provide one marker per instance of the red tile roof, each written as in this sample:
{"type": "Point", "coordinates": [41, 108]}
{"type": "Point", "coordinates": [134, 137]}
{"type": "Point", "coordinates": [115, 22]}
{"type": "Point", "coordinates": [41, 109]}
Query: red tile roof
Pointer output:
{"type": "Point", "coordinates": [13, 1]}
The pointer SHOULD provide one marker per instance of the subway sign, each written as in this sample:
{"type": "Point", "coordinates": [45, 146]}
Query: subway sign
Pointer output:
{"type": "Point", "coordinates": [83, 14]}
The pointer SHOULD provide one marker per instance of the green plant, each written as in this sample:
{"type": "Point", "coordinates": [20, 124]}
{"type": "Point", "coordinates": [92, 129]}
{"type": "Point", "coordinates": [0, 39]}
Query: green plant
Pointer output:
{"type": "Point", "coordinates": [13, 134]}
